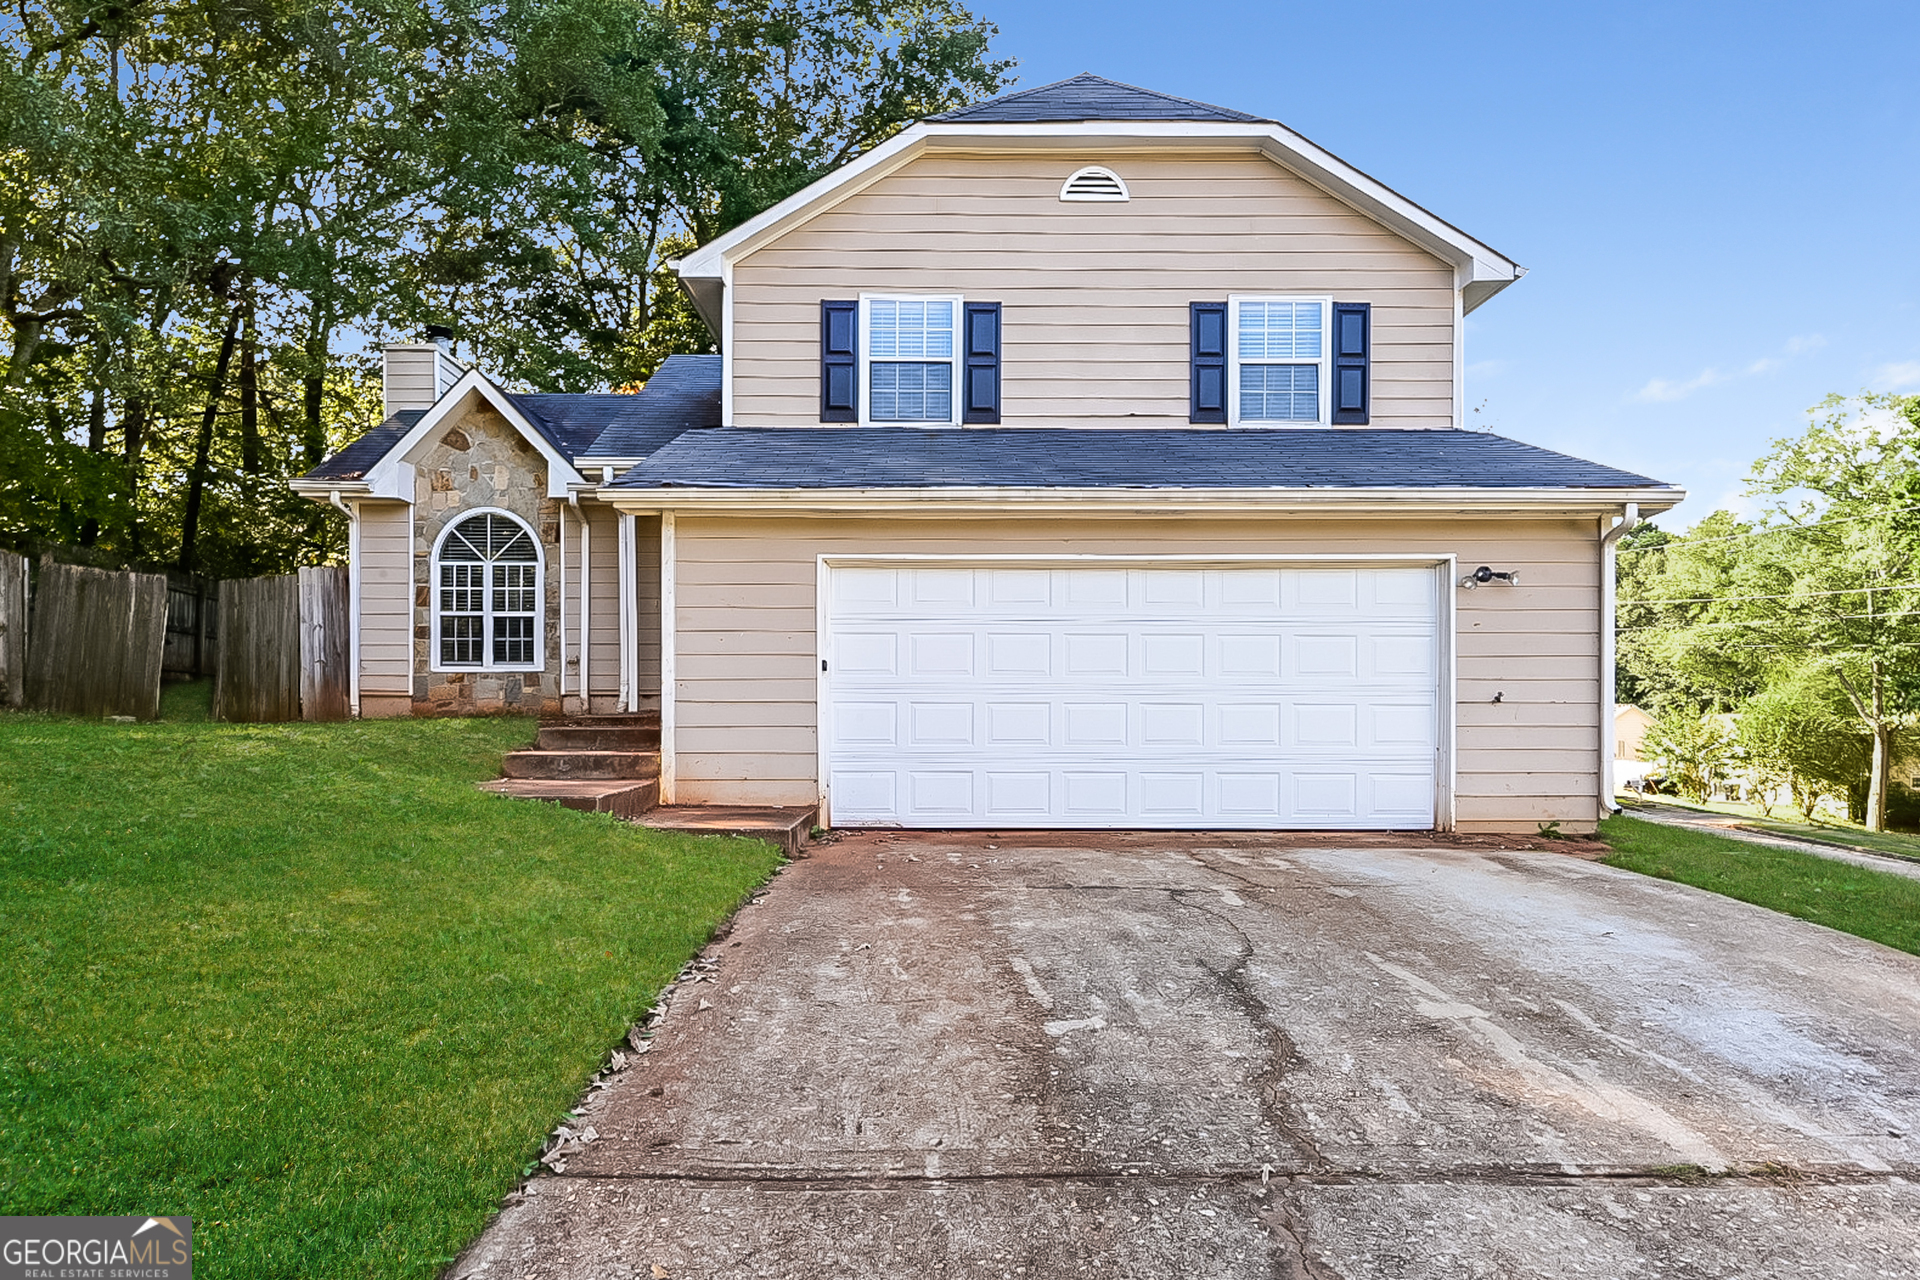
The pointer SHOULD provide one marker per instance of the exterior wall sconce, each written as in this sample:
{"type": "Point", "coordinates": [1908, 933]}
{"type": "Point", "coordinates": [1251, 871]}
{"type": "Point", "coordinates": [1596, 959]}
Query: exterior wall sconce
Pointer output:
{"type": "Point", "coordinates": [1484, 575]}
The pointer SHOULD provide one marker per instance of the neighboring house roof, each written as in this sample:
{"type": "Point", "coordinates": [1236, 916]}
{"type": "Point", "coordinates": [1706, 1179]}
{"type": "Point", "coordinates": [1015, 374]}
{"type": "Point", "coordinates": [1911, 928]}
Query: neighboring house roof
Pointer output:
{"type": "Point", "coordinates": [354, 461]}
{"type": "Point", "coordinates": [1089, 97]}
{"type": "Point", "coordinates": [683, 393]}
{"type": "Point", "coordinates": [1087, 458]}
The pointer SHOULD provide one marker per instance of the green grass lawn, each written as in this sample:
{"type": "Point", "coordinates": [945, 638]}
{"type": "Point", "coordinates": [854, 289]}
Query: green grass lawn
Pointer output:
{"type": "Point", "coordinates": [1901, 844]}
{"type": "Point", "coordinates": [307, 985]}
{"type": "Point", "coordinates": [1857, 900]}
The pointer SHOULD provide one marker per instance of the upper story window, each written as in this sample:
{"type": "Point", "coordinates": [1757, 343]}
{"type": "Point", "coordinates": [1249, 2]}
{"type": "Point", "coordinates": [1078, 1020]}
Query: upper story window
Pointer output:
{"type": "Point", "coordinates": [1279, 354]}
{"type": "Point", "coordinates": [911, 345]}
{"type": "Point", "coordinates": [487, 601]}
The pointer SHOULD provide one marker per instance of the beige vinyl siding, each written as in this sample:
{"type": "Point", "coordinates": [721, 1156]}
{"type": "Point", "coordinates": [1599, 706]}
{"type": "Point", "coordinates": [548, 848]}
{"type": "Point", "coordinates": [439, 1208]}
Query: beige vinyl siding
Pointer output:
{"type": "Point", "coordinates": [1094, 296]}
{"type": "Point", "coordinates": [746, 648]}
{"type": "Point", "coordinates": [604, 601]}
{"type": "Point", "coordinates": [646, 539]}
{"type": "Point", "coordinates": [386, 598]}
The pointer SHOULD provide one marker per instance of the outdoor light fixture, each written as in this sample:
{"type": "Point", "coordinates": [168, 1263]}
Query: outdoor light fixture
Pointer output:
{"type": "Point", "coordinates": [1484, 574]}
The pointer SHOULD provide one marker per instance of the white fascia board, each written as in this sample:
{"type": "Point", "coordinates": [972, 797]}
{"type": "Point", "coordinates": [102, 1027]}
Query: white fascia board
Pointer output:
{"type": "Point", "coordinates": [391, 478]}
{"type": "Point", "coordinates": [322, 491]}
{"type": "Point", "coordinates": [1142, 502]}
{"type": "Point", "coordinates": [1475, 264]}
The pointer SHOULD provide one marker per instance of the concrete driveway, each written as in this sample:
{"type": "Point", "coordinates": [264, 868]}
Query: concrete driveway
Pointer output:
{"type": "Point", "coordinates": [924, 1055]}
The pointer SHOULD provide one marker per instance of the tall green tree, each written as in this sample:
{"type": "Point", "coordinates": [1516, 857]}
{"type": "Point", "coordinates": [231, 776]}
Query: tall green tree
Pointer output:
{"type": "Point", "coordinates": [306, 174]}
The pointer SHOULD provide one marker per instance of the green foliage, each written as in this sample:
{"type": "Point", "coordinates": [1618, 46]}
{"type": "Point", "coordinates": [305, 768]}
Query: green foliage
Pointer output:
{"type": "Point", "coordinates": [1824, 593]}
{"type": "Point", "coordinates": [206, 211]}
{"type": "Point", "coordinates": [1801, 732]}
{"type": "Point", "coordinates": [1870, 904]}
{"type": "Point", "coordinates": [1694, 749]}
{"type": "Point", "coordinates": [307, 984]}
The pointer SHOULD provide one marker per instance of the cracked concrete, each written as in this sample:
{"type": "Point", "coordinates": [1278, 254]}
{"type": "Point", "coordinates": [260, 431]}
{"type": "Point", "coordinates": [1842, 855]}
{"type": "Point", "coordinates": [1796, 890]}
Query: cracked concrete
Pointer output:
{"type": "Point", "coordinates": [1039, 1055]}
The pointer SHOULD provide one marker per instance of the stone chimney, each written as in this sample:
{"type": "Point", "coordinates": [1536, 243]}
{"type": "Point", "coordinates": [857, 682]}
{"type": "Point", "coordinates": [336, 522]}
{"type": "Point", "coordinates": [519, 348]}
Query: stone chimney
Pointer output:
{"type": "Point", "coordinates": [417, 374]}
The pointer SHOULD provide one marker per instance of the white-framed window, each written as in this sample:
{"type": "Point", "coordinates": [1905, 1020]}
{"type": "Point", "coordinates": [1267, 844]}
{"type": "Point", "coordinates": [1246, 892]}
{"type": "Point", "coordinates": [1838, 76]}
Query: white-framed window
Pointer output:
{"type": "Point", "coordinates": [909, 358]}
{"type": "Point", "coordinates": [487, 601]}
{"type": "Point", "coordinates": [1278, 355]}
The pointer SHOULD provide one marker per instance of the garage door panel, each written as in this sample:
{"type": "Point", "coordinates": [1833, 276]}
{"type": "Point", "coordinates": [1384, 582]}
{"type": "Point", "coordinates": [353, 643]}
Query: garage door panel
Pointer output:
{"type": "Point", "coordinates": [1154, 696]}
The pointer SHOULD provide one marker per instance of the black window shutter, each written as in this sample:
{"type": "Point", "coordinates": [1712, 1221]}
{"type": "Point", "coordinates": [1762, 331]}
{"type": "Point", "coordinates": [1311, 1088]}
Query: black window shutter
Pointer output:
{"type": "Point", "coordinates": [839, 362]}
{"type": "Point", "coordinates": [1352, 336]}
{"type": "Point", "coordinates": [1207, 346]}
{"type": "Point", "coordinates": [982, 372]}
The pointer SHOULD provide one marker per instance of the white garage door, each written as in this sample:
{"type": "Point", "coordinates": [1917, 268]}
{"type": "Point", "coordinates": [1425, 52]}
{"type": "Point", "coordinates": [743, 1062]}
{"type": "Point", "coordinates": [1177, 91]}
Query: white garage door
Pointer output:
{"type": "Point", "coordinates": [1131, 696]}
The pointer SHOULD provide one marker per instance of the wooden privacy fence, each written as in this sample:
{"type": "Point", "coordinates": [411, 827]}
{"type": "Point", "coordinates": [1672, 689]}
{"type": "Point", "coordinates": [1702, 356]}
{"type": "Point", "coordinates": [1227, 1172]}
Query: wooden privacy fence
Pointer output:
{"type": "Point", "coordinates": [95, 641]}
{"type": "Point", "coordinates": [282, 648]}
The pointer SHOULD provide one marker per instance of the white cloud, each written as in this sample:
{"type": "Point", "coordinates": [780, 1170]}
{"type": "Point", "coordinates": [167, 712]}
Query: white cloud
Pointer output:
{"type": "Point", "coordinates": [1660, 390]}
{"type": "Point", "coordinates": [1901, 375]}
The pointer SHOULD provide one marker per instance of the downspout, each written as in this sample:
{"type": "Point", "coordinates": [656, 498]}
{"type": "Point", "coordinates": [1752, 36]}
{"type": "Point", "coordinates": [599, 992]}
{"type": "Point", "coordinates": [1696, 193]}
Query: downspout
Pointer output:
{"type": "Point", "coordinates": [353, 601]}
{"type": "Point", "coordinates": [627, 557]}
{"type": "Point", "coordinates": [562, 557]}
{"type": "Point", "coordinates": [586, 597]}
{"type": "Point", "coordinates": [1629, 520]}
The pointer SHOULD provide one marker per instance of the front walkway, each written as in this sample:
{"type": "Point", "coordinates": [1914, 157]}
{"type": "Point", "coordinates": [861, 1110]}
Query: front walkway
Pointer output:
{"type": "Point", "coordinates": [1248, 1056]}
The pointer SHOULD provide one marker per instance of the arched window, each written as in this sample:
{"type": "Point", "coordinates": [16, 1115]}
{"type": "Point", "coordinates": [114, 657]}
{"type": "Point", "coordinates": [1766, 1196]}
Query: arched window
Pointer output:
{"type": "Point", "coordinates": [487, 601]}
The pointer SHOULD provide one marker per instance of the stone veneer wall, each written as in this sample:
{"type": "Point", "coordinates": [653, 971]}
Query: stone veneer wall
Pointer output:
{"type": "Point", "coordinates": [481, 461]}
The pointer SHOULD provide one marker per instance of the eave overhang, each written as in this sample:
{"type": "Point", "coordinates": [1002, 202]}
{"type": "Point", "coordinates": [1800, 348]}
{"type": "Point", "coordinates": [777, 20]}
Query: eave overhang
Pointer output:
{"type": "Point", "coordinates": [957, 500]}
{"type": "Point", "coordinates": [1479, 270]}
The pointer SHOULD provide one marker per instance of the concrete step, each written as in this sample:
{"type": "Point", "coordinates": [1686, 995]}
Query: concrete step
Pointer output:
{"type": "Point", "coordinates": [582, 765]}
{"type": "Point", "coordinates": [577, 737]}
{"type": "Point", "coordinates": [626, 720]}
{"type": "Point", "coordinates": [787, 828]}
{"type": "Point", "coordinates": [624, 798]}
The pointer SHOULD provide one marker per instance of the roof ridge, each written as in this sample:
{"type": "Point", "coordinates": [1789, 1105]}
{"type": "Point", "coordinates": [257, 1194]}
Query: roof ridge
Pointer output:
{"type": "Point", "coordinates": [1089, 78]}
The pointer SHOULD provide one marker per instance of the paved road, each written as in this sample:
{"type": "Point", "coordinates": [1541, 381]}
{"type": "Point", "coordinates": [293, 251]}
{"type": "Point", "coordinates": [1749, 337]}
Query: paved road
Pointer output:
{"type": "Point", "coordinates": [1722, 824]}
{"type": "Point", "coordinates": [1225, 1057]}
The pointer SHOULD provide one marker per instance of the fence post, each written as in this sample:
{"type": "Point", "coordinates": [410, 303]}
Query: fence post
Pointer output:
{"type": "Point", "coordinates": [13, 630]}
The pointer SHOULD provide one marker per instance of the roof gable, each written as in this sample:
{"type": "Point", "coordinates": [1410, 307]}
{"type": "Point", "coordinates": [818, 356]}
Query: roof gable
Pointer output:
{"type": "Point", "coordinates": [387, 479]}
{"type": "Point", "coordinates": [1480, 271]}
{"type": "Point", "coordinates": [1089, 97]}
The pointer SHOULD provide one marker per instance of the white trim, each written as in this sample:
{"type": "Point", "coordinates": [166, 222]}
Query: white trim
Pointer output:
{"type": "Point", "coordinates": [586, 609]}
{"type": "Point", "coordinates": [1446, 766]}
{"type": "Point", "coordinates": [669, 662]}
{"type": "Point", "coordinates": [628, 562]}
{"type": "Point", "coordinates": [1069, 196]}
{"type": "Point", "coordinates": [864, 348]}
{"type": "Point", "coordinates": [391, 478]}
{"type": "Point", "coordinates": [1480, 270]}
{"type": "Point", "coordinates": [1446, 623]}
{"type": "Point", "coordinates": [1459, 361]}
{"type": "Point", "coordinates": [560, 559]}
{"type": "Point", "coordinates": [1324, 364]}
{"type": "Point", "coordinates": [486, 664]}
{"type": "Point", "coordinates": [726, 344]}
{"type": "Point", "coordinates": [352, 512]}
{"type": "Point", "coordinates": [1609, 694]}
{"type": "Point", "coordinates": [1145, 503]}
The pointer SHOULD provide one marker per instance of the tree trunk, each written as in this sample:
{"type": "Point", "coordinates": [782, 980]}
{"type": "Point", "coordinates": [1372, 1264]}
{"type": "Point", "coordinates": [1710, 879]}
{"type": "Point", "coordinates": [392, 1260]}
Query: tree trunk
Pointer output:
{"type": "Point", "coordinates": [250, 399]}
{"type": "Point", "coordinates": [1882, 753]}
{"type": "Point", "coordinates": [203, 449]}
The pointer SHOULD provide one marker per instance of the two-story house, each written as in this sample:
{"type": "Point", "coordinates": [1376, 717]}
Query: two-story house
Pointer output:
{"type": "Point", "coordinates": [1084, 458]}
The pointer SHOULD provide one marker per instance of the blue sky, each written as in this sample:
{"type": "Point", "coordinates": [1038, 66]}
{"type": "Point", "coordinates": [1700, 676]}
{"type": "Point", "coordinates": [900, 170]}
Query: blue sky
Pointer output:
{"type": "Point", "coordinates": [1718, 204]}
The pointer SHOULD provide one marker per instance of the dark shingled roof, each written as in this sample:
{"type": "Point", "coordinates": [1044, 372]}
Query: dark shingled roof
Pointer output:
{"type": "Point", "coordinates": [684, 392]}
{"type": "Point", "coordinates": [1089, 97]}
{"type": "Point", "coordinates": [1174, 458]}
{"type": "Point", "coordinates": [354, 461]}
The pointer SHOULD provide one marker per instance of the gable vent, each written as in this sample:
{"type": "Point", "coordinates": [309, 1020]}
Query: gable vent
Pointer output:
{"type": "Point", "coordinates": [1094, 183]}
